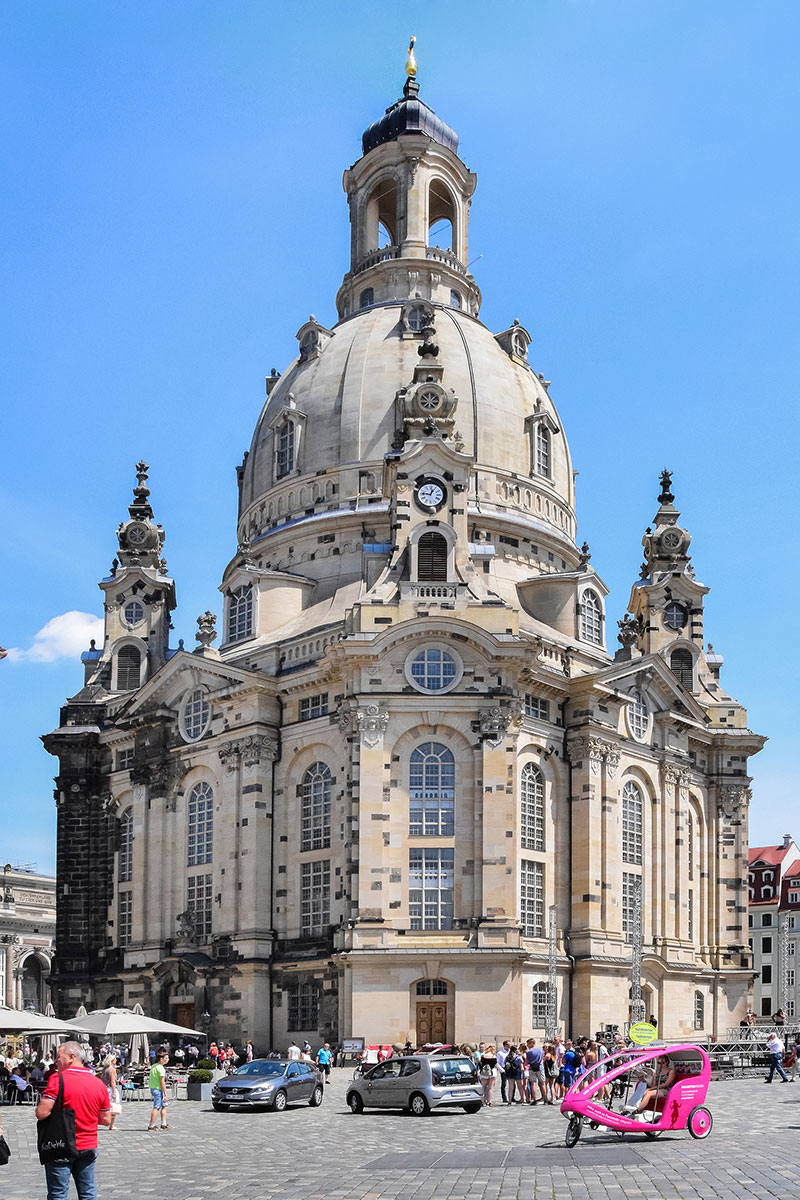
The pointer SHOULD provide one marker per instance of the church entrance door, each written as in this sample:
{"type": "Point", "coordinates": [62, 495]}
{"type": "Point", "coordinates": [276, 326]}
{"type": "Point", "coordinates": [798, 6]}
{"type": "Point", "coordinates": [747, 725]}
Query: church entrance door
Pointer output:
{"type": "Point", "coordinates": [184, 1015]}
{"type": "Point", "coordinates": [431, 1022]}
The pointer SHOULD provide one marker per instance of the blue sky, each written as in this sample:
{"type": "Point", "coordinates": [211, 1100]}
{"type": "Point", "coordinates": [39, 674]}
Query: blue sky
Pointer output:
{"type": "Point", "coordinates": [172, 212]}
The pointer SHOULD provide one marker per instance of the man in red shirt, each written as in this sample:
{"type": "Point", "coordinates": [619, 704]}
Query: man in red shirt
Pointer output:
{"type": "Point", "coordinates": [88, 1098]}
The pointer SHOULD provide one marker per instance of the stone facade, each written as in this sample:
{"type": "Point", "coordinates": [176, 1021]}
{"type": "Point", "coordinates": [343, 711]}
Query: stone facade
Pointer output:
{"type": "Point", "coordinates": [27, 935]}
{"type": "Point", "coordinates": [356, 816]}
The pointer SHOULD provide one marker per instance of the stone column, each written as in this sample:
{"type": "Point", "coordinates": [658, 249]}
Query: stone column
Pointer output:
{"type": "Point", "coordinates": [669, 849]}
{"type": "Point", "coordinates": [369, 722]}
{"type": "Point", "coordinates": [499, 853]}
{"type": "Point", "coordinates": [586, 757]}
{"type": "Point", "coordinates": [609, 841]}
{"type": "Point", "coordinates": [9, 996]}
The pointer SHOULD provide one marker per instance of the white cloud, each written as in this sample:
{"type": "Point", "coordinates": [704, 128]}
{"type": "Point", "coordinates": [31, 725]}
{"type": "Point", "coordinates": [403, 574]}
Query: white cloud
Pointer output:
{"type": "Point", "coordinates": [65, 636]}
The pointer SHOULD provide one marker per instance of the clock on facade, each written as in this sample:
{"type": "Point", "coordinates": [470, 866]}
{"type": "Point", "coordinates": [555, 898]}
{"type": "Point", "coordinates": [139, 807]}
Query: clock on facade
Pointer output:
{"type": "Point", "coordinates": [430, 494]}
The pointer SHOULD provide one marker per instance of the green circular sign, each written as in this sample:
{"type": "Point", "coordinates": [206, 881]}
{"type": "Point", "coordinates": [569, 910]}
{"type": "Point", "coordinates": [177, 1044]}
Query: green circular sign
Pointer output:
{"type": "Point", "coordinates": [642, 1033]}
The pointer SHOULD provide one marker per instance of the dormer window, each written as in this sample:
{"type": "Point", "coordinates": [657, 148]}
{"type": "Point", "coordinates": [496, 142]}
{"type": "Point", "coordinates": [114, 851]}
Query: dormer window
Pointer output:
{"type": "Point", "coordinates": [519, 345]}
{"type": "Point", "coordinates": [542, 450]}
{"type": "Point", "coordinates": [591, 619]}
{"type": "Point", "coordinates": [284, 455]}
{"type": "Point", "coordinates": [240, 614]}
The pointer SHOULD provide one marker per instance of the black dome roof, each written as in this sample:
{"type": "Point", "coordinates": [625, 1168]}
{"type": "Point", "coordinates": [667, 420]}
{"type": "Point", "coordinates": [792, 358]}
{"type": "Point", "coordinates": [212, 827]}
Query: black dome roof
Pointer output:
{"type": "Point", "coordinates": [409, 115]}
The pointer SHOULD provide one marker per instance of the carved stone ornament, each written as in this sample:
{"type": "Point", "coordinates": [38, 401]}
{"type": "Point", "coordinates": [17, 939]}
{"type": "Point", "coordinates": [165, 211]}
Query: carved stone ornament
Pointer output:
{"type": "Point", "coordinates": [496, 722]}
{"type": "Point", "coordinates": [628, 631]}
{"type": "Point", "coordinates": [206, 632]}
{"type": "Point", "coordinates": [187, 926]}
{"type": "Point", "coordinates": [371, 721]}
{"type": "Point", "coordinates": [593, 750]}
{"type": "Point", "coordinates": [250, 750]}
{"type": "Point", "coordinates": [733, 800]}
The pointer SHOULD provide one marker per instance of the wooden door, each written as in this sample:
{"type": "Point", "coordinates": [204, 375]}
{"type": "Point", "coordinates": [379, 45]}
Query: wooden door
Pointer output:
{"type": "Point", "coordinates": [431, 1022]}
{"type": "Point", "coordinates": [184, 1015]}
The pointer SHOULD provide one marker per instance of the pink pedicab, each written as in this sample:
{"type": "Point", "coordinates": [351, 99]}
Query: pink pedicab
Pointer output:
{"type": "Point", "coordinates": [665, 1087]}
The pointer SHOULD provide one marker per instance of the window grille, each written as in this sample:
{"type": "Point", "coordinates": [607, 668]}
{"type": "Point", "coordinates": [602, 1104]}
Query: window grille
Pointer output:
{"type": "Point", "coordinates": [532, 808]}
{"type": "Point", "coordinates": [433, 669]}
{"type": "Point", "coordinates": [304, 1007]}
{"type": "Point", "coordinates": [201, 825]}
{"type": "Point", "coordinates": [432, 987]}
{"type": "Point", "coordinates": [126, 846]}
{"type": "Point", "coordinates": [199, 898]}
{"type": "Point", "coordinates": [632, 816]}
{"type": "Point", "coordinates": [536, 707]}
{"type": "Point", "coordinates": [315, 791]}
{"type": "Point", "coordinates": [240, 614]}
{"type": "Point", "coordinates": [431, 789]}
{"type": "Point", "coordinates": [124, 919]}
{"type": "Point", "coordinates": [699, 1010]}
{"type": "Point", "coordinates": [690, 914]}
{"type": "Point", "coordinates": [539, 1007]}
{"type": "Point", "coordinates": [430, 888]}
{"type": "Point", "coordinates": [629, 889]}
{"type": "Point", "coordinates": [532, 898]}
{"type": "Point", "coordinates": [196, 713]}
{"type": "Point", "coordinates": [315, 897]}
{"type": "Point", "coordinates": [638, 716]}
{"type": "Point", "coordinates": [366, 298]}
{"type": "Point", "coordinates": [125, 758]}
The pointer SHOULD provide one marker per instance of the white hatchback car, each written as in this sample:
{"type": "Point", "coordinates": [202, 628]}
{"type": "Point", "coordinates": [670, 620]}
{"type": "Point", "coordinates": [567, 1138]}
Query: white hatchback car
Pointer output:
{"type": "Point", "coordinates": [419, 1083]}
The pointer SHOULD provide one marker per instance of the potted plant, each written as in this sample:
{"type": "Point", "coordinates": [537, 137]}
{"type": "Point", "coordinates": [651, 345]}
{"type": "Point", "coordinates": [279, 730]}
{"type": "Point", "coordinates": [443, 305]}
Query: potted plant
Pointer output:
{"type": "Point", "coordinates": [198, 1086]}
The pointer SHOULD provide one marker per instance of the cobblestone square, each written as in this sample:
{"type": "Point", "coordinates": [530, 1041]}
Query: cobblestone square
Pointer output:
{"type": "Point", "coordinates": [753, 1151]}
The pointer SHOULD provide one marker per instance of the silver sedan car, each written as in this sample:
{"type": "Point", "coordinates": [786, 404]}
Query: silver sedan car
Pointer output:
{"type": "Point", "coordinates": [271, 1082]}
{"type": "Point", "coordinates": [419, 1083]}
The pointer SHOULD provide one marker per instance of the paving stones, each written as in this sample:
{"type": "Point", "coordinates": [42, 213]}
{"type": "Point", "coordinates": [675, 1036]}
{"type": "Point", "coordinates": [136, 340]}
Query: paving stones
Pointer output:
{"type": "Point", "coordinates": [498, 1154]}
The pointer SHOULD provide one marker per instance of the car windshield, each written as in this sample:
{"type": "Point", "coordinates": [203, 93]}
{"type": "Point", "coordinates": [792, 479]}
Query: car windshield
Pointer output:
{"type": "Point", "coordinates": [260, 1066]}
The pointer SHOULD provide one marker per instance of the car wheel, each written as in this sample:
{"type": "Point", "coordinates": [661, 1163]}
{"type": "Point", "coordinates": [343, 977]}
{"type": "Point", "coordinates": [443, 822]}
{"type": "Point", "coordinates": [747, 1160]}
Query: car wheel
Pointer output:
{"type": "Point", "coordinates": [574, 1131]}
{"type": "Point", "coordinates": [279, 1101]}
{"type": "Point", "coordinates": [419, 1105]}
{"type": "Point", "coordinates": [219, 1107]}
{"type": "Point", "coordinates": [700, 1122]}
{"type": "Point", "coordinates": [315, 1099]}
{"type": "Point", "coordinates": [473, 1108]}
{"type": "Point", "coordinates": [355, 1102]}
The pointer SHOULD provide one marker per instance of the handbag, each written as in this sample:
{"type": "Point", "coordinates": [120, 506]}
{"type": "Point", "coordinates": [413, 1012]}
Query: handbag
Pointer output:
{"type": "Point", "coordinates": [55, 1133]}
{"type": "Point", "coordinates": [5, 1152]}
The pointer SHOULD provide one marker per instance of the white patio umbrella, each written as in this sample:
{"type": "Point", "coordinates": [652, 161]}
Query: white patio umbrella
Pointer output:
{"type": "Point", "coordinates": [49, 1042]}
{"type": "Point", "coordinates": [15, 1020]}
{"type": "Point", "coordinates": [117, 1022]}
{"type": "Point", "coordinates": [140, 1045]}
{"type": "Point", "coordinates": [81, 1015]}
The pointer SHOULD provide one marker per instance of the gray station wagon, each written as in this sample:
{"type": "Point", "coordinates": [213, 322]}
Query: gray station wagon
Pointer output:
{"type": "Point", "coordinates": [419, 1083]}
{"type": "Point", "coordinates": [268, 1082]}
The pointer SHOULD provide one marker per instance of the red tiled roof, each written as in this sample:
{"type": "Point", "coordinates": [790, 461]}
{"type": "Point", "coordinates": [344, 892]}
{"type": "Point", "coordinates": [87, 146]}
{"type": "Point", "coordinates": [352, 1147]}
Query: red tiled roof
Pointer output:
{"type": "Point", "coordinates": [773, 855]}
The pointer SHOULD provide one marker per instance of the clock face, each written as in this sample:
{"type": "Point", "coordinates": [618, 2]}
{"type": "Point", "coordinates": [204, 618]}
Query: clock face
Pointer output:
{"type": "Point", "coordinates": [430, 493]}
{"type": "Point", "coordinates": [137, 534]}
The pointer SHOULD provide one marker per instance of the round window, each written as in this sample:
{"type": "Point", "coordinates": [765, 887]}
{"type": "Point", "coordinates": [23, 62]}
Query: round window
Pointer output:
{"type": "Point", "coordinates": [134, 613]}
{"type": "Point", "coordinates": [433, 669]}
{"type": "Point", "coordinates": [429, 401]}
{"type": "Point", "coordinates": [675, 616]}
{"type": "Point", "coordinates": [195, 715]}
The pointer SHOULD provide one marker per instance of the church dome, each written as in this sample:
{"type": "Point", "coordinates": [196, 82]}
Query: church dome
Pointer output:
{"type": "Point", "coordinates": [342, 401]}
{"type": "Point", "coordinates": [409, 115]}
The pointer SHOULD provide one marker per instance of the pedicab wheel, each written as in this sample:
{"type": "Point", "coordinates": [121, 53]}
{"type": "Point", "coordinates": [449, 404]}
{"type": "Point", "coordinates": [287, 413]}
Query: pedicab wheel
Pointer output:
{"type": "Point", "coordinates": [653, 1133]}
{"type": "Point", "coordinates": [594, 1124]}
{"type": "Point", "coordinates": [574, 1130]}
{"type": "Point", "coordinates": [700, 1122]}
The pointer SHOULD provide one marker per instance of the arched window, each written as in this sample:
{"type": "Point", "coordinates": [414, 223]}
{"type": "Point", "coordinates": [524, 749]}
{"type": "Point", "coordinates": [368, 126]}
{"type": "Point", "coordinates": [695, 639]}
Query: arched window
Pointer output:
{"type": "Point", "coordinates": [315, 795]}
{"type": "Point", "coordinates": [240, 614]}
{"type": "Point", "coordinates": [126, 846]}
{"type": "Point", "coordinates": [200, 825]}
{"type": "Point", "coordinates": [542, 450]}
{"type": "Point", "coordinates": [682, 666]}
{"type": "Point", "coordinates": [699, 1010]}
{"type": "Point", "coordinates": [284, 454]}
{"type": "Point", "coordinates": [532, 807]}
{"type": "Point", "coordinates": [591, 619]}
{"type": "Point", "coordinates": [366, 298]}
{"type": "Point", "coordinates": [432, 558]}
{"type": "Point", "coordinates": [431, 790]}
{"type": "Point", "coordinates": [129, 668]}
{"type": "Point", "coordinates": [455, 298]}
{"type": "Point", "coordinates": [441, 214]}
{"type": "Point", "coordinates": [632, 812]}
{"type": "Point", "coordinates": [540, 994]}
{"type": "Point", "coordinates": [638, 716]}
{"type": "Point", "coordinates": [690, 845]}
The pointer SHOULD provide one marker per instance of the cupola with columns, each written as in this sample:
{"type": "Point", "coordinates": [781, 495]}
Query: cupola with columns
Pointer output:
{"type": "Point", "coordinates": [409, 197]}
